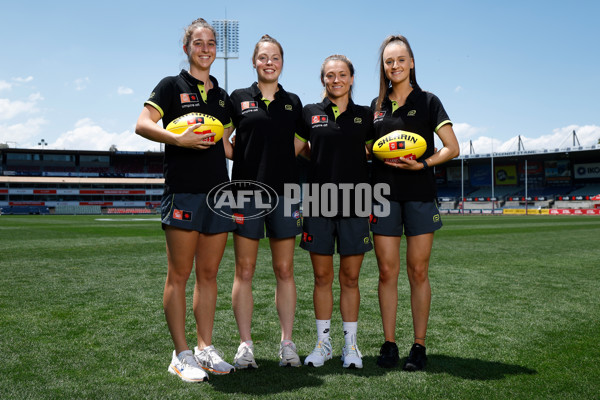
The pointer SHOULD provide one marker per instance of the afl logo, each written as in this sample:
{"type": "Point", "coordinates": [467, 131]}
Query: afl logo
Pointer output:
{"type": "Point", "coordinates": [232, 196]}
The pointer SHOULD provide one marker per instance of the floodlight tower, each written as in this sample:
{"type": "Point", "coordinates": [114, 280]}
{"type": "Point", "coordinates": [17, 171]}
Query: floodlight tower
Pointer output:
{"type": "Point", "coordinates": [227, 41]}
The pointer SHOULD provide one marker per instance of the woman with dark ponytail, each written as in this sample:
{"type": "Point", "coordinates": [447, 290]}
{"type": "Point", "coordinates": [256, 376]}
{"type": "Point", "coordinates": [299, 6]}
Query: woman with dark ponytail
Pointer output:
{"type": "Point", "coordinates": [402, 105]}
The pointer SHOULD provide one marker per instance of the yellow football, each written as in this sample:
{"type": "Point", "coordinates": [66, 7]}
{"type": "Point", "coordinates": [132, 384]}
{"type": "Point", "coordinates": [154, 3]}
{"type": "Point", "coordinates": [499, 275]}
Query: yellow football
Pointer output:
{"type": "Point", "coordinates": [398, 144]}
{"type": "Point", "coordinates": [209, 125]}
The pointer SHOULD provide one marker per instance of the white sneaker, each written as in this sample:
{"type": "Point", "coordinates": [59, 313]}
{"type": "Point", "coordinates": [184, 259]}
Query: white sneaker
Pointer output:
{"type": "Point", "coordinates": [320, 354]}
{"type": "Point", "coordinates": [244, 358]}
{"type": "Point", "coordinates": [351, 357]}
{"type": "Point", "coordinates": [211, 360]}
{"type": "Point", "coordinates": [288, 356]}
{"type": "Point", "coordinates": [186, 367]}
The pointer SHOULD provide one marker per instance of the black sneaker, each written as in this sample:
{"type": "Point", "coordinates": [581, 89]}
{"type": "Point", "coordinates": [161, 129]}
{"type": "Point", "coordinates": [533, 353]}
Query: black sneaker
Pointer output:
{"type": "Point", "coordinates": [416, 358]}
{"type": "Point", "coordinates": [388, 355]}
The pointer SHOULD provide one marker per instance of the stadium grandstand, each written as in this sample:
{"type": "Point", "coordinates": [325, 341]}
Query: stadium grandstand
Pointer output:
{"type": "Point", "coordinates": [41, 181]}
{"type": "Point", "coordinates": [79, 182]}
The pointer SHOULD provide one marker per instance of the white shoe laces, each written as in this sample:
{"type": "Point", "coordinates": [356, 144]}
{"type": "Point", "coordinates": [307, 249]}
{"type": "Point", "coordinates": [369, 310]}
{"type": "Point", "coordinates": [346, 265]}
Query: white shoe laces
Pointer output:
{"type": "Point", "coordinates": [321, 348]}
{"type": "Point", "coordinates": [189, 361]}
{"type": "Point", "coordinates": [353, 351]}
{"type": "Point", "coordinates": [213, 355]}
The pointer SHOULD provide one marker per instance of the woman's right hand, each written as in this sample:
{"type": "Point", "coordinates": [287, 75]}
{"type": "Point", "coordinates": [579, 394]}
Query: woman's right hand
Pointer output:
{"type": "Point", "coordinates": [195, 140]}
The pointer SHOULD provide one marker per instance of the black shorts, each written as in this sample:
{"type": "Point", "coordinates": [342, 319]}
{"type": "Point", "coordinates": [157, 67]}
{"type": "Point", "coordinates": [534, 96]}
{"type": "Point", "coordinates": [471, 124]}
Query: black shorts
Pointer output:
{"type": "Point", "coordinates": [411, 218]}
{"type": "Point", "coordinates": [190, 211]}
{"type": "Point", "coordinates": [351, 235]}
{"type": "Point", "coordinates": [279, 223]}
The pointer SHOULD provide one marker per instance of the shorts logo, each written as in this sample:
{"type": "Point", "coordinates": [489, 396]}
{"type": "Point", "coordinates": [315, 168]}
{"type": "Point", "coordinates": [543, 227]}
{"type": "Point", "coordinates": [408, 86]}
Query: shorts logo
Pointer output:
{"type": "Point", "coordinates": [316, 119]}
{"type": "Point", "coordinates": [238, 219]}
{"type": "Point", "coordinates": [372, 219]}
{"type": "Point", "coordinates": [307, 238]}
{"type": "Point", "coordinates": [182, 215]}
{"type": "Point", "coordinates": [400, 145]}
{"type": "Point", "coordinates": [248, 104]}
{"type": "Point", "coordinates": [411, 113]}
{"type": "Point", "coordinates": [436, 218]}
{"type": "Point", "coordinates": [188, 98]}
{"type": "Point", "coordinates": [366, 240]}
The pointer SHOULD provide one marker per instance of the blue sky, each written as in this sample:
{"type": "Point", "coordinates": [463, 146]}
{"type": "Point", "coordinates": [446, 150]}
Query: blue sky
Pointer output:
{"type": "Point", "coordinates": [76, 74]}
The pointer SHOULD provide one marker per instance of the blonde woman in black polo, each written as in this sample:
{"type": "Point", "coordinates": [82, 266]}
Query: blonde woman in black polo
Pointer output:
{"type": "Point", "coordinates": [266, 118]}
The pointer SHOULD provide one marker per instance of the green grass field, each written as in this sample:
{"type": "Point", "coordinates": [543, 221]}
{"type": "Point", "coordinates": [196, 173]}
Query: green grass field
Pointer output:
{"type": "Point", "coordinates": [515, 314]}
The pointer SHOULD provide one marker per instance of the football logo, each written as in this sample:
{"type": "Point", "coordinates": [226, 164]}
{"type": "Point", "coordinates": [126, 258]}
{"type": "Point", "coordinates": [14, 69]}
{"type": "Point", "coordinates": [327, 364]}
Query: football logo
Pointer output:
{"type": "Point", "coordinates": [397, 145]}
{"type": "Point", "coordinates": [195, 120]}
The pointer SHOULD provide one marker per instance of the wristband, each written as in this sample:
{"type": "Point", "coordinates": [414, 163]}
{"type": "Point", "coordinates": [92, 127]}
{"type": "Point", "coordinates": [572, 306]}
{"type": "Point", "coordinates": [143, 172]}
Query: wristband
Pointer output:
{"type": "Point", "coordinates": [425, 166]}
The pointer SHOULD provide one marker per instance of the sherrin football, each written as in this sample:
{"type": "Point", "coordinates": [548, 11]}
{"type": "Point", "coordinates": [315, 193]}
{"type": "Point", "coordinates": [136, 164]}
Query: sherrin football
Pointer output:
{"type": "Point", "coordinates": [209, 125]}
{"type": "Point", "coordinates": [398, 144]}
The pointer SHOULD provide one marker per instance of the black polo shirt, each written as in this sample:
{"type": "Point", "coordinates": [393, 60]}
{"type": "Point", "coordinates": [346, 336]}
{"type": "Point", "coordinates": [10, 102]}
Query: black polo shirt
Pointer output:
{"type": "Point", "coordinates": [337, 153]}
{"type": "Point", "coordinates": [422, 113]}
{"type": "Point", "coordinates": [189, 170]}
{"type": "Point", "coordinates": [265, 131]}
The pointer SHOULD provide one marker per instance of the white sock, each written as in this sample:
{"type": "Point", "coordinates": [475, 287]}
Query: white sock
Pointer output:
{"type": "Point", "coordinates": [350, 332]}
{"type": "Point", "coordinates": [323, 329]}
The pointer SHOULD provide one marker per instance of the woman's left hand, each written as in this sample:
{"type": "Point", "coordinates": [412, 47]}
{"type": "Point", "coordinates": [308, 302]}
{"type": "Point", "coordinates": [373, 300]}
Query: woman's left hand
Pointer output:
{"type": "Point", "coordinates": [405, 163]}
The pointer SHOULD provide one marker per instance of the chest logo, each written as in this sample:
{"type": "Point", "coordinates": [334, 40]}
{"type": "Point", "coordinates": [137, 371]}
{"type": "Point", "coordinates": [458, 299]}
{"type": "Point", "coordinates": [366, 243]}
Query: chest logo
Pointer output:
{"type": "Point", "coordinates": [222, 103]}
{"type": "Point", "coordinates": [411, 113]}
{"type": "Point", "coordinates": [188, 98]}
{"type": "Point", "coordinates": [288, 107]}
{"type": "Point", "coordinates": [249, 104]}
{"type": "Point", "coordinates": [358, 120]}
{"type": "Point", "coordinates": [317, 119]}
{"type": "Point", "coordinates": [378, 114]}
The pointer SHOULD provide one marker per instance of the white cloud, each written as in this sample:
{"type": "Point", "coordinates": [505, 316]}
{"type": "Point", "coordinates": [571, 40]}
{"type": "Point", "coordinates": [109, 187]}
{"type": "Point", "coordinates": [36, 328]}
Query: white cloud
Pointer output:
{"type": "Point", "coordinates": [465, 131]}
{"type": "Point", "coordinates": [87, 135]}
{"type": "Point", "coordinates": [81, 83]}
{"type": "Point", "coordinates": [22, 132]}
{"type": "Point", "coordinates": [5, 85]}
{"type": "Point", "coordinates": [458, 89]}
{"type": "Point", "coordinates": [10, 109]}
{"type": "Point", "coordinates": [122, 90]}
{"type": "Point", "coordinates": [561, 138]}
{"type": "Point", "coordinates": [35, 97]}
{"type": "Point", "coordinates": [23, 80]}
